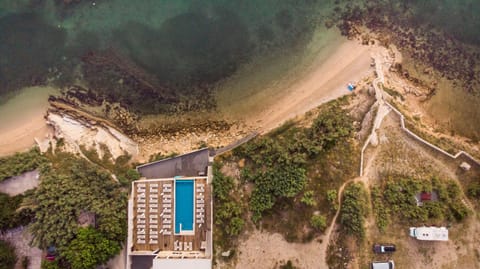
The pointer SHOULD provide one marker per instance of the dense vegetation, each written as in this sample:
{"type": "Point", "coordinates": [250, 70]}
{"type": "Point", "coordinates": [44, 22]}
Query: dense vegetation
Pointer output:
{"type": "Point", "coordinates": [228, 209]}
{"type": "Point", "coordinates": [20, 163]}
{"type": "Point", "coordinates": [288, 178]}
{"type": "Point", "coordinates": [398, 195]}
{"type": "Point", "coordinates": [74, 188]}
{"type": "Point", "coordinates": [353, 210]}
{"type": "Point", "coordinates": [11, 215]}
{"type": "Point", "coordinates": [277, 164]}
{"type": "Point", "coordinates": [89, 248]}
{"type": "Point", "coordinates": [7, 255]}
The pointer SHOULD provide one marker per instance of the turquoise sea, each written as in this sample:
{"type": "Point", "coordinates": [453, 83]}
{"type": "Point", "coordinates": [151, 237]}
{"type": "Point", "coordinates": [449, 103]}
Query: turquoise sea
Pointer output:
{"type": "Point", "coordinates": [149, 54]}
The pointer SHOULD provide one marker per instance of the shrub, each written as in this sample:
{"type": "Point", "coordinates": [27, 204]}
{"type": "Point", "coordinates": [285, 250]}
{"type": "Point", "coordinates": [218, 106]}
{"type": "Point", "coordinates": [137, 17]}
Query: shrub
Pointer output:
{"type": "Point", "coordinates": [7, 255]}
{"type": "Point", "coordinates": [20, 163]}
{"type": "Point", "coordinates": [318, 222]}
{"type": "Point", "coordinates": [89, 248]}
{"type": "Point", "coordinates": [353, 210]}
{"type": "Point", "coordinates": [308, 199]}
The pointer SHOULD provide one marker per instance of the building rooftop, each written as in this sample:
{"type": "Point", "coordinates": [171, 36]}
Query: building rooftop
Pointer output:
{"type": "Point", "coordinates": [190, 164]}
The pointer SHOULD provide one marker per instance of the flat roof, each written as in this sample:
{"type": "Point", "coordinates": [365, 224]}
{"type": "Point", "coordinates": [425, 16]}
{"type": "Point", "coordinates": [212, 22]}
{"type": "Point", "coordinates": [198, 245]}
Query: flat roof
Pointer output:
{"type": "Point", "coordinates": [188, 165]}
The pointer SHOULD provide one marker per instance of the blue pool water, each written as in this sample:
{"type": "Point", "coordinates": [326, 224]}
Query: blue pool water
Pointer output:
{"type": "Point", "coordinates": [184, 205]}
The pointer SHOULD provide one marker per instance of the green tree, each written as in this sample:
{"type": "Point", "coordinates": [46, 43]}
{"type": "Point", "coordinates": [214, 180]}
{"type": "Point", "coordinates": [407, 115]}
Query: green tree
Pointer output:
{"type": "Point", "coordinates": [7, 255]}
{"type": "Point", "coordinates": [318, 222]}
{"type": "Point", "coordinates": [89, 249]}
{"type": "Point", "coordinates": [70, 187]}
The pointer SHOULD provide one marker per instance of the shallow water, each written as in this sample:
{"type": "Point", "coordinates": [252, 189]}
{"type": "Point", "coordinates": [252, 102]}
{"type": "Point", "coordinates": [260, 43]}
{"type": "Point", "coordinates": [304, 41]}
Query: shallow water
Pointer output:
{"type": "Point", "coordinates": [180, 46]}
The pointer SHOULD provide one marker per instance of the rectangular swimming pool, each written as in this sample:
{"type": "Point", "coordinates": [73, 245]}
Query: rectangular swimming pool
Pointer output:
{"type": "Point", "coordinates": [184, 206]}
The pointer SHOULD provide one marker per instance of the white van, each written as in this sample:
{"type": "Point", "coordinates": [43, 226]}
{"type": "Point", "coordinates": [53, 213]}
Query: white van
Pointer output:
{"type": "Point", "coordinates": [383, 265]}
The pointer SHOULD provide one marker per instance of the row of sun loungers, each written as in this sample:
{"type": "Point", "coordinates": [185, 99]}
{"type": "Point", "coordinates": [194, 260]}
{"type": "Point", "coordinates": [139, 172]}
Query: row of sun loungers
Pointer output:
{"type": "Point", "coordinates": [153, 216]}
{"type": "Point", "coordinates": [185, 246]}
{"type": "Point", "coordinates": [200, 205]}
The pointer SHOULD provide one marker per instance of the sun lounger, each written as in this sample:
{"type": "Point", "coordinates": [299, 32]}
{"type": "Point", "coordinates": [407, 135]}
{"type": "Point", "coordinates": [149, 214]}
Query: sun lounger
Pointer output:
{"type": "Point", "coordinates": [153, 210]}
{"type": "Point", "coordinates": [153, 226]}
{"type": "Point", "coordinates": [141, 210]}
{"type": "Point", "coordinates": [200, 210]}
{"type": "Point", "coordinates": [153, 241]}
{"type": "Point", "coordinates": [141, 226]}
{"type": "Point", "coordinates": [153, 184]}
{"type": "Point", "coordinates": [154, 205]}
{"type": "Point", "coordinates": [140, 231]}
{"type": "Point", "coordinates": [140, 241]}
{"type": "Point", "coordinates": [141, 236]}
{"type": "Point", "coordinates": [167, 201]}
{"type": "Point", "coordinates": [200, 205]}
{"type": "Point", "coordinates": [167, 232]}
{"type": "Point", "coordinates": [167, 205]}
{"type": "Point", "coordinates": [154, 236]}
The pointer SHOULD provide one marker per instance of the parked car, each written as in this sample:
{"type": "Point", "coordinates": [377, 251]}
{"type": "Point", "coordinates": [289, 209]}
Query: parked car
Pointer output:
{"type": "Point", "coordinates": [384, 248]}
{"type": "Point", "coordinates": [383, 265]}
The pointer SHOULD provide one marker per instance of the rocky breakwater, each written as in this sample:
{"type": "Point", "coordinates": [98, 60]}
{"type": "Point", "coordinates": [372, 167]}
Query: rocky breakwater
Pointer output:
{"type": "Point", "coordinates": [74, 128]}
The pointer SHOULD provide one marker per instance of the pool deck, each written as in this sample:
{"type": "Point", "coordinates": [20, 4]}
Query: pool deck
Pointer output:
{"type": "Point", "coordinates": [149, 221]}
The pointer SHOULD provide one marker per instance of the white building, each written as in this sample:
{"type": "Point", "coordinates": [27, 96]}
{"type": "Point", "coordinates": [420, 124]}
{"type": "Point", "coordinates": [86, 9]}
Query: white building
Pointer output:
{"type": "Point", "coordinates": [429, 233]}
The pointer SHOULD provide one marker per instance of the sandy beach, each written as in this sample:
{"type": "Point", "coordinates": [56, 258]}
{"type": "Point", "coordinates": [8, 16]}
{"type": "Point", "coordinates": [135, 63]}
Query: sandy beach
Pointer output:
{"type": "Point", "coordinates": [339, 62]}
{"type": "Point", "coordinates": [22, 119]}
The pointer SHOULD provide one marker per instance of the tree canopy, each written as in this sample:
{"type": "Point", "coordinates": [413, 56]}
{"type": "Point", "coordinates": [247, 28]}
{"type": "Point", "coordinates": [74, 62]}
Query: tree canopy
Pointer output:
{"type": "Point", "coordinates": [89, 248]}
{"type": "Point", "coordinates": [70, 187]}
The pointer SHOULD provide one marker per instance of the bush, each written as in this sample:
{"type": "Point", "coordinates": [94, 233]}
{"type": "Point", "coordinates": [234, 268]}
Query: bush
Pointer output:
{"type": "Point", "coordinates": [277, 163]}
{"type": "Point", "coordinates": [50, 265]}
{"type": "Point", "coordinates": [7, 255]}
{"type": "Point", "coordinates": [20, 163]}
{"type": "Point", "coordinates": [332, 197]}
{"type": "Point", "coordinates": [89, 248]}
{"type": "Point", "coordinates": [228, 211]}
{"type": "Point", "coordinates": [318, 222]}
{"type": "Point", "coordinates": [308, 199]}
{"type": "Point", "coordinates": [353, 210]}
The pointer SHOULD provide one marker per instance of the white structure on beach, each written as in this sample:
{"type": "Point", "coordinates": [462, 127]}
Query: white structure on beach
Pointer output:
{"type": "Point", "coordinates": [429, 233]}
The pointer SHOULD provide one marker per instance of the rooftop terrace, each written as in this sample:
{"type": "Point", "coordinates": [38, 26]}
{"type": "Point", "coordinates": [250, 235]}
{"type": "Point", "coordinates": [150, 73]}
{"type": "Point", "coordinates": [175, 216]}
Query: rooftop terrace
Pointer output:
{"type": "Point", "coordinates": [154, 219]}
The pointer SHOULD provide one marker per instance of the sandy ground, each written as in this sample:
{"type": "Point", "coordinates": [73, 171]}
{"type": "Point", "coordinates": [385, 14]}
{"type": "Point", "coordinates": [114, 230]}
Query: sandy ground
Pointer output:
{"type": "Point", "coordinates": [326, 79]}
{"type": "Point", "coordinates": [22, 119]}
{"type": "Point", "coordinates": [20, 238]}
{"type": "Point", "coordinates": [264, 250]}
{"type": "Point", "coordinates": [19, 184]}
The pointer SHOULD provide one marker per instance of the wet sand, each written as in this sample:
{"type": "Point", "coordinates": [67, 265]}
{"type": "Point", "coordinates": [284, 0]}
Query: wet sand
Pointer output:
{"type": "Point", "coordinates": [339, 62]}
{"type": "Point", "coordinates": [22, 119]}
